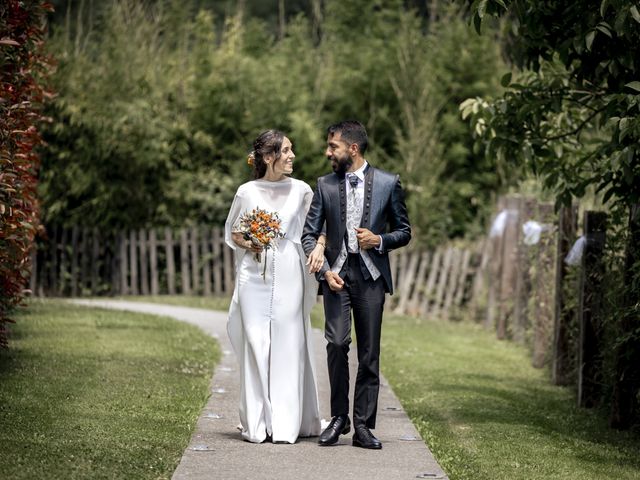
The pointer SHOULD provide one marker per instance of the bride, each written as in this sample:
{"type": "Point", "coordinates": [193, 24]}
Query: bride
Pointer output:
{"type": "Point", "coordinates": [269, 323]}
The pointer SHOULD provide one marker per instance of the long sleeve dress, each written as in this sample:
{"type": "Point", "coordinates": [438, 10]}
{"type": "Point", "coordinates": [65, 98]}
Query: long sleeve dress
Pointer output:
{"type": "Point", "coordinates": [269, 324]}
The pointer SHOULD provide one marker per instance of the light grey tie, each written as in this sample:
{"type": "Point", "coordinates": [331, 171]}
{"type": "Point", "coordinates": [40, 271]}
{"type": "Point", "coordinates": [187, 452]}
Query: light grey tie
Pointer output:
{"type": "Point", "coordinates": [354, 213]}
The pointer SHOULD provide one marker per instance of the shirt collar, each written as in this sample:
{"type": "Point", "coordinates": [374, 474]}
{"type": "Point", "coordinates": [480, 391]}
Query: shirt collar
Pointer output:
{"type": "Point", "coordinates": [360, 172]}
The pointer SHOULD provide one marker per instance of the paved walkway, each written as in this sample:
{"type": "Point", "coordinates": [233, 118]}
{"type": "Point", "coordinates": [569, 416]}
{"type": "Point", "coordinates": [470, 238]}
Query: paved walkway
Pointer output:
{"type": "Point", "coordinates": [216, 450]}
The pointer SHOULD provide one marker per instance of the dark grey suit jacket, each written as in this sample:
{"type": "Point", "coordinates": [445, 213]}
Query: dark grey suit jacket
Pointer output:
{"type": "Point", "coordinates": [384, 213]}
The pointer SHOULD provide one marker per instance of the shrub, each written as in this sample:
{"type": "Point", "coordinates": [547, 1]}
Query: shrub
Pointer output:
{"type": "Point", "coordinates": [22, 68]}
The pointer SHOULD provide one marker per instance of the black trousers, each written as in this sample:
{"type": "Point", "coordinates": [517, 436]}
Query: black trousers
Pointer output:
{"type": "Point", "coordinates": [366, 298]}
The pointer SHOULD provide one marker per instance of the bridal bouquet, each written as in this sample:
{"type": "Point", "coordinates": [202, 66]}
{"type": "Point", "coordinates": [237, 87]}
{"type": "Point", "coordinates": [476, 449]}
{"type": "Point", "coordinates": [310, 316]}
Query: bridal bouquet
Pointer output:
{"type": "Point", "coordinates": [262, 228]}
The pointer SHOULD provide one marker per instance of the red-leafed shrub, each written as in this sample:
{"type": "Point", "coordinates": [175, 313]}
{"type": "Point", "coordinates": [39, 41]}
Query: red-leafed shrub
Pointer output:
{"type": "Point", "coordinates": [22, 70]}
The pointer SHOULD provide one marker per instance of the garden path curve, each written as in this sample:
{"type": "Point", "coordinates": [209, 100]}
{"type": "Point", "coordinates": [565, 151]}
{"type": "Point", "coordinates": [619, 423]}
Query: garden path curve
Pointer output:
{"type": "Point", "coordinates": [216, 450]}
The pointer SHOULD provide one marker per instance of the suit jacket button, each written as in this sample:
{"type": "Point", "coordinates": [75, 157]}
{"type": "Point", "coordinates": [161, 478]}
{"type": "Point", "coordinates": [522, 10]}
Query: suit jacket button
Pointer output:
{"type": "Point", "coordinates": [367, 204]}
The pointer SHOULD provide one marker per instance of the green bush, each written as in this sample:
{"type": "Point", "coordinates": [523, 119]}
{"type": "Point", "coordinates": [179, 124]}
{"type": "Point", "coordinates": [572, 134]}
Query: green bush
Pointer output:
{"type": "Point", "coordinates": [158, 108]}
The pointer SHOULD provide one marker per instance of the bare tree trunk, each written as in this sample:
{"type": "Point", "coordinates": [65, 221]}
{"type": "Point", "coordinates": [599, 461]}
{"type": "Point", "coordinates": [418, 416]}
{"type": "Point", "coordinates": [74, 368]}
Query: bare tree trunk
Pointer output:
{"type": "Point", "coordinates": [79, 21]}
{"type": "Point", "coordinates": [316, 8]}
{"type": "Point", "coordinates": [281, 19]}
{"type": "Point", "coordinates": [240, 9]}
{"type": "Point", "coordinates": [433, 10]}
{"type": "Point", "coordinates": [67, 28]}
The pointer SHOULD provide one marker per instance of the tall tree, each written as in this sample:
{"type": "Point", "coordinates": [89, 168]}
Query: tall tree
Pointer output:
{"type": "Point", "coordinates": [573, 117]}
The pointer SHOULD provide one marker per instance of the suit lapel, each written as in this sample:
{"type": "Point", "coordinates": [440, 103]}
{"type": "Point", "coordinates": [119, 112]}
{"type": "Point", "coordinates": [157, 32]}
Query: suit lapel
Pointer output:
{"type": "Point", "coordinates": [365, 222]}
{"type": "Point", "coordinates": [342, 214]}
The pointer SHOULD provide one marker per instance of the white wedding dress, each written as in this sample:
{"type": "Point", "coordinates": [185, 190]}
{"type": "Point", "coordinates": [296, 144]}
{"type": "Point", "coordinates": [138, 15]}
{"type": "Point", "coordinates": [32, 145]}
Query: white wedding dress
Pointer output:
{"type": "Point", "coordinates": [269, 323]}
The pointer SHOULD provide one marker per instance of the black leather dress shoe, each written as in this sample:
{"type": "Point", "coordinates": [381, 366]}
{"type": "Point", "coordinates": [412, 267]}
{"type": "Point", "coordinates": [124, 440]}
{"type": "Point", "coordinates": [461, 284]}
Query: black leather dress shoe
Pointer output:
{"type": "Point", "coordinates": [364, 438]}
{"type": "Point", "coordinates": [339, 425]}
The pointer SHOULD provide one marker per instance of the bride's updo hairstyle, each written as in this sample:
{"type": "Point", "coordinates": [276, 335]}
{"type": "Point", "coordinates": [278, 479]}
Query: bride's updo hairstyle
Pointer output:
{"type": "Point", "coordinates": [269, 142]}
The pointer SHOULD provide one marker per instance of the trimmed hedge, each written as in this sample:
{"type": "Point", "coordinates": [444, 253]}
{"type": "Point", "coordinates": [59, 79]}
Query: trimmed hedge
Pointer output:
{"type": "Point", "coordinates": [23, 67]}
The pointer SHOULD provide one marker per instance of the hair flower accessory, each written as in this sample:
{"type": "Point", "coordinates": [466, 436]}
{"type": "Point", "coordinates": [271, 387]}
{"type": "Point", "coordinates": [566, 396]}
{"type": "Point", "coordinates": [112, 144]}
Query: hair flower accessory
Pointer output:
{"type": "Point", "coordinates": [251, 158]}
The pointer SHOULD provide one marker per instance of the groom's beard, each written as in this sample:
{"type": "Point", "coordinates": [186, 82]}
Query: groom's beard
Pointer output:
{"type": "Point", "coordinates": [340, 165]}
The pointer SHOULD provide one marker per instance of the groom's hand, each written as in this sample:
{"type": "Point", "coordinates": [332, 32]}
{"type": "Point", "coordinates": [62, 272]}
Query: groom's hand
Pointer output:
{"type": "Point", "coordinates": [367, 239]}
{"type": "Point", "coordinates": [334, 281]}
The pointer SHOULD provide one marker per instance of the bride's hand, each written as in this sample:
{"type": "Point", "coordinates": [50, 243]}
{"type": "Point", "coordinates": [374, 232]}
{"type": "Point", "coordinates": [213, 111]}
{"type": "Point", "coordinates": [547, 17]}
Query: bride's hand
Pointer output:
{"type": "Point", "coordinates": [239, 240]}
{"type": "Point", "coordinates": [316, 257]}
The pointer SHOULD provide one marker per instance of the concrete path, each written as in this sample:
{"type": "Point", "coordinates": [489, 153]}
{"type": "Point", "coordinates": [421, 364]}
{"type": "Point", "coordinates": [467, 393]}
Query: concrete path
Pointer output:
{"type": "Point", "coordinates": [216, 450]}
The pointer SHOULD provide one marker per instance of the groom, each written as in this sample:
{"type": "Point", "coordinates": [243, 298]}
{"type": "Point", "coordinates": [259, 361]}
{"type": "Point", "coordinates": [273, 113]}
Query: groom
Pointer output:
{"type": "Point", "coordinates": [361, 210]}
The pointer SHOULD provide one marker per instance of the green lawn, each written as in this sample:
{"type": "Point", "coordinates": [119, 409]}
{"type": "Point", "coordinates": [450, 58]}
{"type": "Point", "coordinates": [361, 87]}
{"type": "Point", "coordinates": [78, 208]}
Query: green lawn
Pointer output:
{"type": "Point", "coordinates": [88, 393]}
{"type": "Point", "coordinates": [82, 392]}
{"type": "Point", "coordinates": [484, 411]}
{"type": "Point", "coordinates": [487, 414]}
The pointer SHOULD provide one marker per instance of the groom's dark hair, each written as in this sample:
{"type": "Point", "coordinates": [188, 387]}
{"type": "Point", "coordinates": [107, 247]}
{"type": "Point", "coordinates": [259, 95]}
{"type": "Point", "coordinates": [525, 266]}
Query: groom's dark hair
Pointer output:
{"type": "Point", "coordinates": [351, 131]}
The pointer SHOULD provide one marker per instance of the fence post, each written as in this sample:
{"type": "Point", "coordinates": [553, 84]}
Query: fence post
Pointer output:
{"type": "Point", "coordinates": [425, 307]}
{"type": "Point", "coordinates": [74, 261]}
{"type": "Point", "coordinates": [452, 282]}
{"type": "Point", "coordinates": [171, 264]}
{"type": "Point", "coordinates": [84, 260]}
{"type": "Point", "coordinates": [53, 261]}
{"type": "Point", "coordinates": [414, 301]}
{"type": "Point", "coordinates": [543, 318]}
{"type": "Point", "coordinates": [133, 264]}
{"type": "Point", "coordinates": [206, 261]}
{"type": "Point", "coordinates": [393, 265]}
{"type": "Point", "coordinates": [523, 279]}
{"type": "Point", "coordinates": [153, 262]}
{"type": "Point", "coordinates": [624, 402]}
{"type": "Point", "coordinates": [218, 244]}
{"type": "Point", "coordinates": [462, 281]}
{"type": "Point", "coordinates": [114, 265]}
{"type": "Point", "coordinates": [184, 262]}
{"type": "Point", "coordinates": [227, 255]}
{"type": "Point", "coordinates": [144, 263]}
{"type": "Point", "coordinates": [495, 270]}
{"type": "Point", "coordinates": [195, 260]}
{"type": "Point", "coordinates": [123, 264]}
{"type": "Point", "coordinates": [408, 273]}
{"type": "Point", "coordinates": [560, 363]}
{"type": "Point", "coordinates": [589, 308]}
{"type": "Point", "coordinates": [509, 271]}
{"type": "Point", "coordinates": [480, 286]}
{"type": "Point", "coordinates": [95, 260]}
{"type": "Point", "coordinates": [442, 283]}
{"type": "Point", "coordinates": [62, 283]}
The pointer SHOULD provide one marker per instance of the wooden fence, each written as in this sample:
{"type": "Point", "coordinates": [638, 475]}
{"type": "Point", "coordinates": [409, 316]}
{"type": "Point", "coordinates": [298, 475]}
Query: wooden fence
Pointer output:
{"type": "Point", "coordinates": [82, 261]}
{"type": "Point", "coordinates": [433, 284]}
{"type": "Point", "coordinates": [196, 261]}
{"type": "Point", "coordinates": [517, 289]}
{"type": "Point", "coordinates": [521, 290]}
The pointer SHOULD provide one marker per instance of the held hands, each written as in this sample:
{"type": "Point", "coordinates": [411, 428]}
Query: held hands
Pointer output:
{"type": "Point", "coordinates": [316, 257]}
{"type": "Point", "coordinates": [367, 239]}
